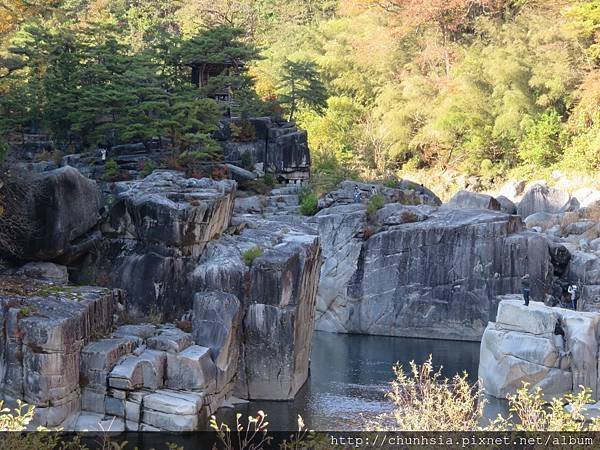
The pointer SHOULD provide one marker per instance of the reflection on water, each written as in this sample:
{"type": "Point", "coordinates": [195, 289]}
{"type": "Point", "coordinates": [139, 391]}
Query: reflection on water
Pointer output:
{"type": "Point", "coordinates": [350, 375]}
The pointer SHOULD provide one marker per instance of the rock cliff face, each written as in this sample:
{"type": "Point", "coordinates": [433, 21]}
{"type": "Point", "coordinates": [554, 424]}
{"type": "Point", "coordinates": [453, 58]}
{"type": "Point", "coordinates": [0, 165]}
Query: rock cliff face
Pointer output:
{"type": "Point", "coordinates": [278, 146]}
{"type": "Point", "coordinates": [155, 229]}
{"type": "Point", "coordinates": [43, 333]}
{"type": "Point", "coordinates": [57, 208]}
{"type": "Point", "coordinates": [277, 293]}
{"type": "Point", "coordinates": [553, 348]}
{"type": "Point", "coordinates": [425, 272]}
{"type": "Point", "coordinates": [243, 287]}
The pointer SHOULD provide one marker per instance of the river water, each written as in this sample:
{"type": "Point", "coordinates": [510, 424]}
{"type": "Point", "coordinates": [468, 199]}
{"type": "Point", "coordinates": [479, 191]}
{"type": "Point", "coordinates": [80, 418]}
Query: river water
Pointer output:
{"type": "Point", "coordinates": [350, 375]}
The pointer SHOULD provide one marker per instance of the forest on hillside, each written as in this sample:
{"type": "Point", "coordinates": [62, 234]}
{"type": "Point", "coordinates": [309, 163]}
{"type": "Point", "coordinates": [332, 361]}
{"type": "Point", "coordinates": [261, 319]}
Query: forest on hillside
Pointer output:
{"type": "Point", "coordinates": [492, 88]}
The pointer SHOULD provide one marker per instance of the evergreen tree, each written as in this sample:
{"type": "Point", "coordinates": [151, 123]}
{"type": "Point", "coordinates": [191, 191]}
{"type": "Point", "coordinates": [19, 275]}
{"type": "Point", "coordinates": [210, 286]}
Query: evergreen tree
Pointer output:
{"type": "Point", "coordinates": [300, 85]}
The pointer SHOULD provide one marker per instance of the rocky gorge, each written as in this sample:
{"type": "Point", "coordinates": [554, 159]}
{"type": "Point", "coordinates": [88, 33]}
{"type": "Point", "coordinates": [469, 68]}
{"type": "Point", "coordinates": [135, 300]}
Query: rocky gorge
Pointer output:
{"type": "Point", "coordinates": [202, 308]}
{"type": "Point", "coordinates": [148, 304]}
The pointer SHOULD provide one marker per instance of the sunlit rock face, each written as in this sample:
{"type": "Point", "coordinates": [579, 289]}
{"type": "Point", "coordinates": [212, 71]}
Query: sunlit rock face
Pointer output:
{"type": "Point", "coordinates": [426, 272]}
{"type": "Point", "coordinates": [277, 294]}
{"type": "Point", "coordinates": [552, 348]}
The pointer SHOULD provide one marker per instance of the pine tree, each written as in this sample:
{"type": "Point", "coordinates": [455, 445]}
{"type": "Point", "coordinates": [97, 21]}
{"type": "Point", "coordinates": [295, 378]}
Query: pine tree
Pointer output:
{"type": "Point", "coordinates": [300, 85]}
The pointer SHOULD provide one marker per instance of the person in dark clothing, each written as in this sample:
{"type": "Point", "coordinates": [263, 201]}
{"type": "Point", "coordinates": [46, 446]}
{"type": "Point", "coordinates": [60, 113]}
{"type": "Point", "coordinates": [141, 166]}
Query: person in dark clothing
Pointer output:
{"type": "Point", "coordinates": [526, 285]}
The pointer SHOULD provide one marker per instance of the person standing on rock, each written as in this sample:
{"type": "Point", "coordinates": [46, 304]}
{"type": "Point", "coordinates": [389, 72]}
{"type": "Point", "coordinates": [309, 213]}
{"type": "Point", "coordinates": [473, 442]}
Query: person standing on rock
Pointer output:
{"type": "Point", "coordinates": [525, 284]}
{"type": "Point", "coordinates": [356, 194]}
{"type": "Point", "coordinates": [573, 291]}
{"type": "Point", "coordinates": [373, 191]}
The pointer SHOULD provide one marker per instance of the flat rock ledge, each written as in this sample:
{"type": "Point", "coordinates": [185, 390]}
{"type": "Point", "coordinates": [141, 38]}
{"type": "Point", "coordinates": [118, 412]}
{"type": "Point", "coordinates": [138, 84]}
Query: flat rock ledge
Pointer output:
{"type": "Point", "coordinates": [553, 348]}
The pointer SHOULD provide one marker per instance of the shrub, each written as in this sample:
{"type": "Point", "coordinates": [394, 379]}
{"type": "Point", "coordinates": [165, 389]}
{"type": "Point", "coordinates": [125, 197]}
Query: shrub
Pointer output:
{"type": "Point", "coordinates": [111, 169]}
{"type": "Point", "coordinates": [423, 401]}
{"type": "Point", "coordinates": [376, 202]}
{"type": "Point", "coordinates": [309, 204]}
{"type": "Point", "coordinates": [219, 172]}
{"type": "Point", "coordinates": [247, 161]}
{"type": "Point", "coordinates": [254, 434]}
{"type": "Point", "coordinates": [367, 232]}
{"type": "Point", "coordinates": [244, 132]}
{"type": "Point", "coordinates": [391, 183]}
{"type": "Point", "coordinates": [174, 163]}
{"type": "Point", "coordinates": [184, 325]}
{"type": "Point", "coordinates": [269, 180]}
{"type": "Point", "coordinates": [148, 167]}
{"type": "Point", "coordinates": [251, 254]}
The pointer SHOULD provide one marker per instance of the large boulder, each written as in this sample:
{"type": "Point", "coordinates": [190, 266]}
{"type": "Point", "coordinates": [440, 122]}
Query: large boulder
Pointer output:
{"type": "Point", "coordinates": [45, 271]}
{"type": "Point", "coordinates": [155, 231]}
{"type": "Point", "coordinates": [60, 206]}
{"type": "Point", "coordinates": [473, 200]}
{"type": "Point", "coordinates": [165, 208]}
{"type": "Point", "coordinates": [552, 348]}
{"type": "Point", "coordinates": [541, 198]}
{"type": "Point", "coordinates": [437, 277]}
{"type": "Point", "coordinates": [217, 325]}
{"type": "Point", "coordinates": [406, 193]}
{"type": "Point", "coordinates": [506, 205]}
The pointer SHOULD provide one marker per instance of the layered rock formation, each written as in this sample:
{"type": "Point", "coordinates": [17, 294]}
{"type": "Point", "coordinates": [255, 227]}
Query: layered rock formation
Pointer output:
{"type": "Point", "coordinates": [243, 289]}
{"type": "Point", "coordinates": [276, 291]}
{"type": "Point", "coordinates": [43, 333]}
{"type": "Point", "coordinates": [154, 230]}
{"type": "Point", "coordinates": [422, 271]}
{"type": "Point", "coordinates": [555, 349]}
{"type": "Point", "coordinates": [277, 146]}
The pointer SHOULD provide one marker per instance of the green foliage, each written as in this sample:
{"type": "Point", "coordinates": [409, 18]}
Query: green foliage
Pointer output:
{"type": "Point", "coordinates": [376, 202]}
{"type": "Point", "coordinates": [309, 203]}
{"type": "Point", "coordinates": [251, 254]}
{"type": "Point", "coordinates": [244, 131]}
{"type": "Point", "coordinates": [483, 90]}
{"type": "Point", "coordinates": [247, 161]}
{"type": "Point", "coordinates": [540, 145]}
{"type": "Point", "coordinates": [149, 167]}
{"type": "Point", "coordinates": [111, 170]}
{"type": "Point", "coordinates": [269, 180]}
{"type": "Point", "coordinates": [98, 84]}
{"type": "Point", "coordinates": [300, 85]}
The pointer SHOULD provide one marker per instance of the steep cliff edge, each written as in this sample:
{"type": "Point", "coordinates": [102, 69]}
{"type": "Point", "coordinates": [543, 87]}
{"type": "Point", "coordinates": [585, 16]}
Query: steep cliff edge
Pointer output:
{"type": "Point", "coordinates": [422, 271]}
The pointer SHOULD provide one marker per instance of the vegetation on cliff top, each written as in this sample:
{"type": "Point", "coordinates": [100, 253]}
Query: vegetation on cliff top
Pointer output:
{"type": "Point", "coordinates": [492, 88]}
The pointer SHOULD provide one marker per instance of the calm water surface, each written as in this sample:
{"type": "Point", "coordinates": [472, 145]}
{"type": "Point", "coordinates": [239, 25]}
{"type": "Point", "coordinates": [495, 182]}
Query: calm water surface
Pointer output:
{"type": "Point", "coordinates": [350, 375]}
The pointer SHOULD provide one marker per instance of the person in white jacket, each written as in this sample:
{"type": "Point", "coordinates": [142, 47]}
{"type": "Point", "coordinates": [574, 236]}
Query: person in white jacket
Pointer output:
{"type": "Point", "coordinates": [573, 291]}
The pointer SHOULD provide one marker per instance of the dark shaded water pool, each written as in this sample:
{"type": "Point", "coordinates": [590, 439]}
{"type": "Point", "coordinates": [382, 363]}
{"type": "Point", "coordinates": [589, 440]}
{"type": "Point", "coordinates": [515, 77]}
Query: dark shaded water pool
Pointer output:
{"type": "Point", "coordinates": [350, 375]}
